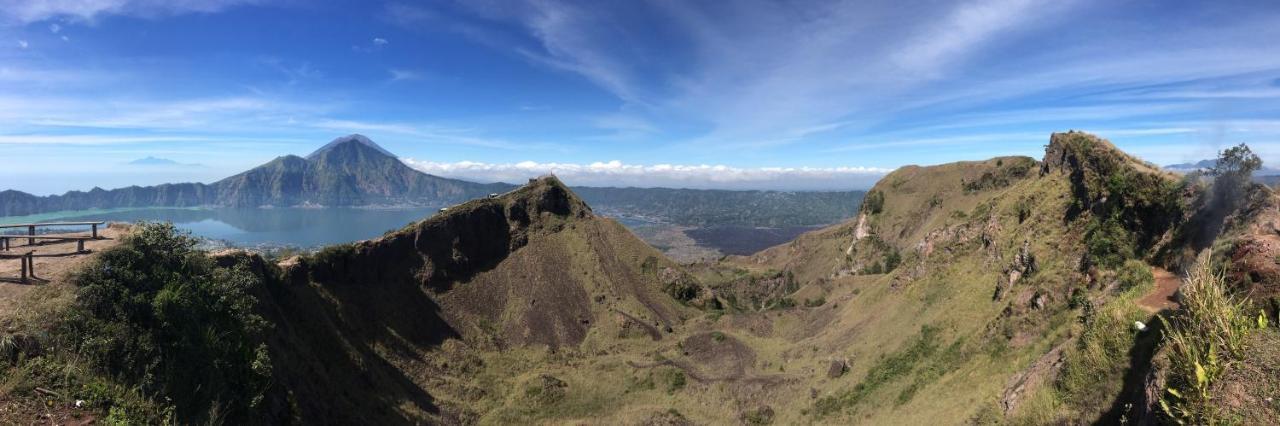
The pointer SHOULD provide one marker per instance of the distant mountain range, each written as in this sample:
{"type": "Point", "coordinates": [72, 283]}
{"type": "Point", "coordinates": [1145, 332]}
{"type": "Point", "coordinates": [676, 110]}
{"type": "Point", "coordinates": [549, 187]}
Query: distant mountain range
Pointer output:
{"type": "Point", "coordinates": [353, 171]}
{"type": "Point", "coordinates": [155, 161]}
{"type": "Point", "coordinates": [350, 171]}
{"type": "Point", "coordinates": [1204, 165]}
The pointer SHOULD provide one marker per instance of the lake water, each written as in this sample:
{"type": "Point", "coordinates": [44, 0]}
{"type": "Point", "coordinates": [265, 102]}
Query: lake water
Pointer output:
{"type": "Point", "coordinates": [309, 228]}
{"type": "Point", "coordinates": [299, 227]}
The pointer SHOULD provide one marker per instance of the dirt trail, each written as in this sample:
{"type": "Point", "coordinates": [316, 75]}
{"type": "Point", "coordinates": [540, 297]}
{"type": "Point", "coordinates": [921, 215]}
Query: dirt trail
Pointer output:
{"type": "Point", "coordinates": [1163, 295]}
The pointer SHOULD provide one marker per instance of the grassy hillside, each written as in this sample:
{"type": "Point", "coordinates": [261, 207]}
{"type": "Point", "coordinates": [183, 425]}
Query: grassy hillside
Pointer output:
{"type": "Point", "coordinates": [1002, 291]}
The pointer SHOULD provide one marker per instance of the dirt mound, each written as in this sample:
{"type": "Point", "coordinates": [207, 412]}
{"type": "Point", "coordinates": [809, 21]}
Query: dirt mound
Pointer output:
{"type": "Point", "coordinates": [719, 355]}
{"type": "Point", "coordinates": [1250, 390]}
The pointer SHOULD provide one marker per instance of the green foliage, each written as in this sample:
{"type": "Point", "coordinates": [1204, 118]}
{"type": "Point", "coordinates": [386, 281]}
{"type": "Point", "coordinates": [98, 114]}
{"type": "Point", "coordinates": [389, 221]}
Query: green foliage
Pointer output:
{"type": "Point", "coordinates": [1117, 188]}
{"type": "Point", "coordinates": [1135, 275]}
{"type": "Point", "coordinates": [1023, 209]}
{"type": "Point", "coordinates": [672, 379]}
{"type": "Point", "coordinates": [873, 203]}
{"type": "Point", "coordinates": [637, 384]}
{"type": "Point", "coordinates": [1109, 243]}
{"type": "Point", "coordinates": [1101, 352]}
{"type": "Point", "coordinates": [1233, 174]}
{"type": "Point", "coordinates": [813, 303]}
{"type": "Point", "coordinates": [157, 314]}
{"type": "Point", "coordinates": [890, 258]}
{"type": "Point", "coordinates": [1209, 332]}
{"type": "Point", "coordinates": [886, 370]}
{"type": "Point", "coordinates": [948, 360]}
{"type": "Point", "coordinates": [1001, 177]}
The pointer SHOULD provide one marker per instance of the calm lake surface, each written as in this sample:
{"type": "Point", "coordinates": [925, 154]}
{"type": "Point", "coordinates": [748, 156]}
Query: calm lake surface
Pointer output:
{"type": "Point", "coordinates": [309, 228]}
{"type": "Point", "coordinates": [299, 227]}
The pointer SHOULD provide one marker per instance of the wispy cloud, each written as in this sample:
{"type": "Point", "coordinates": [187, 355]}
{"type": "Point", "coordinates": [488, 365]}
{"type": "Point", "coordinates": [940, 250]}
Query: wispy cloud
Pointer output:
{"type": "Point", "coordinates": [431, 133]}
{"type": "Point", "coordinates": [378, 43]}
{"type": "Point", "coordinates": [398, 74]}
{"type": "Point", "coordinates": [26, 11]}
{"type": "Point", "coordinates": [617, 173]}
{"type": "Point", "coordinates": [760, 74]}
{"type": "Point", "coordinates": [95, 139]}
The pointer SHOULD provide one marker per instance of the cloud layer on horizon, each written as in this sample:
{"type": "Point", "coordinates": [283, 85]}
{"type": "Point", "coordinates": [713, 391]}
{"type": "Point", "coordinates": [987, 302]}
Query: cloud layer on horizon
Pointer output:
{"type": "Point", "coordinates": [619, 174]}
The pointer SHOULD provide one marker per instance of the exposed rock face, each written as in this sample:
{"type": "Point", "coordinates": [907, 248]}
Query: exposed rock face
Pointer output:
{"type": "Point", "coordinates": [1041, 372]}
{"type": "Point", "coordinates": [1024, 263]}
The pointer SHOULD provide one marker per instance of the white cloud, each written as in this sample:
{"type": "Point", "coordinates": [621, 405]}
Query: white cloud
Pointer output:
{"type": "Point", "coordinates": [403, 74]}
{"type": "Point", "coordinates": [55, 28]}
{"type": "Point", "coordinates": [968, 25]}
{"type": "Point", "coordinates": [22, 44]}
{"type": "Point", "coordinates": [378, 43]}
{"type": "Point", "coordinates": [27, 11]}
{"type": "Point", "coordinates": [429, 133]}
{"type": "Point", "coordinates": [617, 173]}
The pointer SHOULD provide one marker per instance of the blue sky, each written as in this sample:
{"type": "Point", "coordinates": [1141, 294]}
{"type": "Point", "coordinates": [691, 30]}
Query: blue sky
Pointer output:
{"type": "Point", "coordinates": [725, 94]}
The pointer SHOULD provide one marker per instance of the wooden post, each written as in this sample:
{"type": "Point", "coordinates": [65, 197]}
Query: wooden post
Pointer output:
{"type": "Point", "coordinates": [80, 246]}
{"type": "Point", "coordinates": [95, 230]}
{"type": "Point", "coordinates": [23, 260]}
{"type": "Point", "coordinates": [31, 265]}
{"type": "Point", "coordinates": [31, 230]}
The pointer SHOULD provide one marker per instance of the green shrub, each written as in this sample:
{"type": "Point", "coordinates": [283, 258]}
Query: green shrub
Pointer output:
{"type": "Point", "coordinates": [874, 202]}
{"type": "Point", "coordinates": [1135, 275]}
{"type": "Point", "coordinates": [1109, 243]}
{"type": "Point", "coordinates": [673, 379]}
{"type": "Point", "coordinates": [159, 315]}
{"type": "Point", "coordinates": [813, 303]}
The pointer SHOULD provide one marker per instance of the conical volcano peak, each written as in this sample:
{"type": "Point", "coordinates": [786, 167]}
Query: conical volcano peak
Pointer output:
{"type": "Point", "coordinates": [354, 138]}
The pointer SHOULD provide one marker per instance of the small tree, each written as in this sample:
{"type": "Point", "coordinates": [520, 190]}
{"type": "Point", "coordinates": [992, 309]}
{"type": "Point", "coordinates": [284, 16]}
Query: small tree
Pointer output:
{"type": "Point", "coordinates": [1232, 174]}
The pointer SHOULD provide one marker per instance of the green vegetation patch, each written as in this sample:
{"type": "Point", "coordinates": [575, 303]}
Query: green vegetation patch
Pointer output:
{"type": "Point", "coordinates": [158, 315]}
{"type": "Point", "coordinates": [921, 352]}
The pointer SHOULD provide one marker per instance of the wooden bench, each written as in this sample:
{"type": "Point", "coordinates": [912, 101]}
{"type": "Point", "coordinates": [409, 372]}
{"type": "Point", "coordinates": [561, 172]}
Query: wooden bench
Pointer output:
{"type": "Point", "coordinates": [28, 264]}
{"type": "Point", "coordinates": [31, 228]}
{"type": "Point", "coordinates": [79, 239]}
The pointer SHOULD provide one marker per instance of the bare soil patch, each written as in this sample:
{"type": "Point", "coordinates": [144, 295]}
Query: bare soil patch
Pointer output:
{"type": "Point", "coordinates": [1164, 295]}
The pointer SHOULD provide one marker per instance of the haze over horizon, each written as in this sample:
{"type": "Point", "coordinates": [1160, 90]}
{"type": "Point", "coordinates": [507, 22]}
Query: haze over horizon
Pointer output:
{"type": "Point", "coordinates": [747, 95]}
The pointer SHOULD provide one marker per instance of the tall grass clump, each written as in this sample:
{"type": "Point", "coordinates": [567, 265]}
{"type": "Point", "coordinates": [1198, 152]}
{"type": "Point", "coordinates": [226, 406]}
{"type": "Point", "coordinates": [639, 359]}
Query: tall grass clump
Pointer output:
{"type": "Point", "coordinates": [1202, 340]}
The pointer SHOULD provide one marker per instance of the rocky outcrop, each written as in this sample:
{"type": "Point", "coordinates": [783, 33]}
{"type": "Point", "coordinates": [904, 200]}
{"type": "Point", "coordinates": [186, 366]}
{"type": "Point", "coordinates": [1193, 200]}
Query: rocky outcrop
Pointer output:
{"type": "Point", "coordinates": [1024, 263]}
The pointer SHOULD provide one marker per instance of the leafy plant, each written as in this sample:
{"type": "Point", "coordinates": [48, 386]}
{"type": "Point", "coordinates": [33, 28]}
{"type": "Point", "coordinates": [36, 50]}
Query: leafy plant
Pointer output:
{"type": "Point", "coordinates": [1109, 243]}
{"type": "Point", "coordinates": [1207, 334]}
{"type": "Point", "coordinates": [1135, 274]}
{"type": "Point", "coordinates": [158, 314]}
